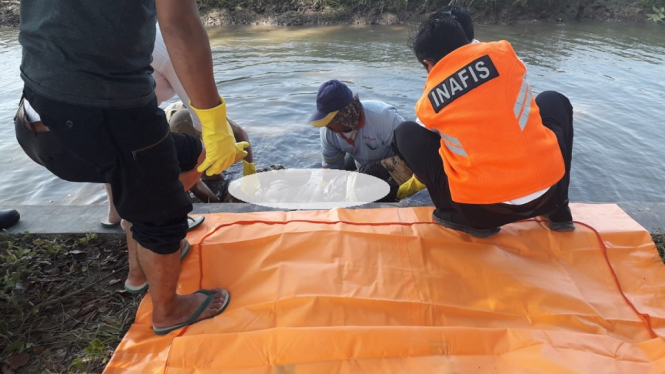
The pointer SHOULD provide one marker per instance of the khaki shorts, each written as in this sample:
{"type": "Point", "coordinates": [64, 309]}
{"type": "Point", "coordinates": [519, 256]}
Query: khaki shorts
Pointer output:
{"type": "Point", "coordinates": [180, 120]}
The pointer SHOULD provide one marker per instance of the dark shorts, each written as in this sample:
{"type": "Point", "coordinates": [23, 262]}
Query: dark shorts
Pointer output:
{"type": "Point", "coordinates": [132, 149]}
{"type": "Point", "coordinates": [45, 149]}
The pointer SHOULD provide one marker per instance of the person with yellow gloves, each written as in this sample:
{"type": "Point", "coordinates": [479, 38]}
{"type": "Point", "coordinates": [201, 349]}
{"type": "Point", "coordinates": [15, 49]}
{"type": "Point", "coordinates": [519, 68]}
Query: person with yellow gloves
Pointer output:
{"type": "Point", "coordinates": [98, 105]}
{"type": "Point", "coordinates": [167, 86]}
{"type": "Point", "coordinates": [181, 121]}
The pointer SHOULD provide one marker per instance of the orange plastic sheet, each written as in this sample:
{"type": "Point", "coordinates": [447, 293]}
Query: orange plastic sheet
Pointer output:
{"type": "Point", "coordinates": [389, 291]}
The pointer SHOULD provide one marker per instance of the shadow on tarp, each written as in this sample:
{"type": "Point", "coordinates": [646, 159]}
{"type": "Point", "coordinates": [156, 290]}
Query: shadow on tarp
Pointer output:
{"type": "Point", "coordinates": [388, 291]}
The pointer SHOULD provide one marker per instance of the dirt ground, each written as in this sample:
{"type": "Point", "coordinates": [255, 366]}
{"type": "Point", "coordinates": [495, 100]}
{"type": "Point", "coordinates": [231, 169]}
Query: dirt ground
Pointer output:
{"type": "Point", "coordinates": [63, 304]}
{"type": "Point", "coordinates": [557, 11]}
{"type": "Point", "coordinates": [289, 14]}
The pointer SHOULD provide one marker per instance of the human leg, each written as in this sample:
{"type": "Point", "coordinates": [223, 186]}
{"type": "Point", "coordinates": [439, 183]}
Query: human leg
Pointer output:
{"type": "Point", "coordinates": [557, 115]}
{"type": "Point", "coordinates": [112, 218]}
{"type": "Point", "coordinates": [419, 148]}
{"type": "Point", "coordinates": [169, 308]}
{"type": "Point", "coordinates": [131, 149]}
{"type": "Point", "coordinates": [136, 279]}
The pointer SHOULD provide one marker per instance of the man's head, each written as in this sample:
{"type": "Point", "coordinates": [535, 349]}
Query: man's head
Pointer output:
{"type": "Point", "coordinates": [437, 36]}
{"type": "Point", "coordinates": [336, 107]}
{"type": "Point", "coordinates": [462, 16]}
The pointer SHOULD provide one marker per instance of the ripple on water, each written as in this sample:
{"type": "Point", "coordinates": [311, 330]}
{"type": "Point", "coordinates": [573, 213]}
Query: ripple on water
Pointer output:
{"type": "Point", "coordinates": [612, 72]}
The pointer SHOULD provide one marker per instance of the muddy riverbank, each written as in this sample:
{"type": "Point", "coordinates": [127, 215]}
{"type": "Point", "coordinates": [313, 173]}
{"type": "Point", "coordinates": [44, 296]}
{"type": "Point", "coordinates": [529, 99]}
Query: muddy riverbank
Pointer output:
{"type": "Point", "coordinates": [276, 13]}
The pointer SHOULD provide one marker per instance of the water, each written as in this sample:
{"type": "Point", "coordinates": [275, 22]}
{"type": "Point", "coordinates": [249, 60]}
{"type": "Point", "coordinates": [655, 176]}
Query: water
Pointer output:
{"type": "Point", "coordinates": [613, 73]}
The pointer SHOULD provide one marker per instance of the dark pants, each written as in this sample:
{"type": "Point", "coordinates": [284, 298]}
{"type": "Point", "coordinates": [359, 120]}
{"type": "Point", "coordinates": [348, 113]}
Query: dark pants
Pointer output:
{"type": "Point", "coordinates": [130, 148]}
{"type": "Point", "coordinates": [419, 147]}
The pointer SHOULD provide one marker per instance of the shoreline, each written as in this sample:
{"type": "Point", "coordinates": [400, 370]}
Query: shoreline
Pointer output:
{"type": "Point", "coordinates": [296, 14]}
{"type": "Point", "coordinates": [84, 219]}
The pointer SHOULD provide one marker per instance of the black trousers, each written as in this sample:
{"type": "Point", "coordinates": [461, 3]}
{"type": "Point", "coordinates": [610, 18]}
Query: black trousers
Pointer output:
{"type": "Point", "coordinates": [419, 147]}
{"type": "Point", "coordinates": [130, 148]}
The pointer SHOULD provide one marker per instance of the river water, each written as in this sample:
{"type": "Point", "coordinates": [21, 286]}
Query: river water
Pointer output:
{"type": "Point", "coordinates": [614, 74]}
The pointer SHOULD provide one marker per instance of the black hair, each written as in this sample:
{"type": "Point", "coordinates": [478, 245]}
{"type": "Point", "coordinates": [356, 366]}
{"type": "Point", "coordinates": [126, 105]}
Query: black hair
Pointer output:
{"type": "Point", "coordinates": [436, 37]}
{"type": "Point", "coordinates": [462, 16]}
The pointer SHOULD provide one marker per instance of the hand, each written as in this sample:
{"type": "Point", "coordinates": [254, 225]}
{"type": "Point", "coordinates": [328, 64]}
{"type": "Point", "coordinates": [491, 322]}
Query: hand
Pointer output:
{"type": "Point", "coordinates": [217, 136]}
{"type": "Point", "coordinates": [409, 188]}
{"type": "Point", "coordinates": [240, 151]}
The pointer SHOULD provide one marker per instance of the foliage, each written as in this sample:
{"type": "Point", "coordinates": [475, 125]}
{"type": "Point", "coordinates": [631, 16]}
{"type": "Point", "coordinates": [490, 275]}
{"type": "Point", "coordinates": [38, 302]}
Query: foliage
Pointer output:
{"type": "Point", "coordinates": [387, 4]}
{"type": "Point", "coordinates": [658, 15]}
{"type": "Point", "coordinates": [659, 239]}
{"type": "Point", "coordinates": [62, 302]}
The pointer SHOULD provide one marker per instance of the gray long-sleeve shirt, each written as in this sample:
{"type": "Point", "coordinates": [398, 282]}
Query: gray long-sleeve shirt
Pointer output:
{"type": "Point", "coordinates": [372, 142]}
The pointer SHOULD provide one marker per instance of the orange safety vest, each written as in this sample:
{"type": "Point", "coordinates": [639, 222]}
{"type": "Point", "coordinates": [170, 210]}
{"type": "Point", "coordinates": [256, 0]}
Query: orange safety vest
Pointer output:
{"type": "Point", "coordinates": [493, 143]}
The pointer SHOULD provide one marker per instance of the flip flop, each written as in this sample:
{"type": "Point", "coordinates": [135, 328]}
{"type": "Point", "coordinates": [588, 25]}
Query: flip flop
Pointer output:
{"type": "Point", "coordinates": [108, 224]}
{"type": "Point", "coordinates": [136, 290]}
{"type": "Point", "coordinates": [194, 222]}
{"type": "Point", "coordinates": [195, 316]}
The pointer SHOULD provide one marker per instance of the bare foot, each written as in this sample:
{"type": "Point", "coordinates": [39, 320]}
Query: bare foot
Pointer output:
{"type": "Point", "coordinates": [184, 306]}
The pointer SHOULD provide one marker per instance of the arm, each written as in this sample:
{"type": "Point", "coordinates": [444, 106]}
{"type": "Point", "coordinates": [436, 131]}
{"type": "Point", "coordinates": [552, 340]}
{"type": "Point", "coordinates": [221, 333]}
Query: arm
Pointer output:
{"type": "Point", "coordinates": [189, 48]}
{"type": "Point", "coordinates": [241, 136]}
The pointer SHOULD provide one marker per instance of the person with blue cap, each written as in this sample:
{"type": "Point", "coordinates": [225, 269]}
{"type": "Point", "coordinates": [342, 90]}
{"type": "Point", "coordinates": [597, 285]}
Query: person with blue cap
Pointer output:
{"type": "Point", "coordinates": [356, 135]}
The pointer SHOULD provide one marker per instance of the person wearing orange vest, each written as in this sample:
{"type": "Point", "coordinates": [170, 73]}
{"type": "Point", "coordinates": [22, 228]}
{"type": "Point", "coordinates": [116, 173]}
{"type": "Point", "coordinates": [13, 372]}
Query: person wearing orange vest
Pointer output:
{"type": "Point", "coordinates": [490, 153]}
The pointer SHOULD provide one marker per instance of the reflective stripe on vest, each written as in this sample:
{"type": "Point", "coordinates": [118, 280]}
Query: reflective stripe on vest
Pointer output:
{"type": "Point", "coordinates": [523, 104]}
{"type": "Point", "coordinates": [453, 144]}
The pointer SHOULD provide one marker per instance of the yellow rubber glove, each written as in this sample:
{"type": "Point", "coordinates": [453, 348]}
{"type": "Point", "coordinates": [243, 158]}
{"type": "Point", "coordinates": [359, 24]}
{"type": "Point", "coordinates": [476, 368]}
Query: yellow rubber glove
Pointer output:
{"type": "Point", "coordinates": [409, 188]}
{"type": "Point", "coordinates": [248, 168]}
{"type": "Point", "coordinates": [240, 151]}
{"type": "Point", "coordinates": [218, 138]}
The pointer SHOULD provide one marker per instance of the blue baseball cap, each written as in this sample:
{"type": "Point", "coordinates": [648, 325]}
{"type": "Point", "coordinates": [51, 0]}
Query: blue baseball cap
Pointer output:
{"type": "Point", "coordinates": [332, 97]}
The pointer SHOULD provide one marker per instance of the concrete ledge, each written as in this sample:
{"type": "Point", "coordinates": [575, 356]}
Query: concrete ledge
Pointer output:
{"type": "Point", "coordinates": [83, 219]}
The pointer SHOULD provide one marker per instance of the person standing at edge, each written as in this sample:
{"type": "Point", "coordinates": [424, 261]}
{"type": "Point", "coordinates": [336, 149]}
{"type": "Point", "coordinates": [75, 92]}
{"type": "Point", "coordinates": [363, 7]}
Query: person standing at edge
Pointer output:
{"type": "Point", "coordinates": [491, 153]}
{"type": "Point", "coordinates": [86, 69]}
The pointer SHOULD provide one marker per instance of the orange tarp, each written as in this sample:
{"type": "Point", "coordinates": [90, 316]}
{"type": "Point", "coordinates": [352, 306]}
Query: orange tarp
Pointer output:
{"type": "Point", "coordinates": [389, 291]}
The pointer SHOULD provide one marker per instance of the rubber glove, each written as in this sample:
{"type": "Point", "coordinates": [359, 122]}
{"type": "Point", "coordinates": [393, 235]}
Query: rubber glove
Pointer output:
{"type": "Point", "coordinates": [409, 188]}
{"type": "Point", "coordinates": [218, 138]}
{"type": "Point", "coordinates": [248, 168]}
{"type": "Point", "coordinates": [240, 151]}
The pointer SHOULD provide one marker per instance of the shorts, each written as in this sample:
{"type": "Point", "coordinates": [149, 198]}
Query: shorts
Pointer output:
{"type": "Point", "coordinates": [129, 148]}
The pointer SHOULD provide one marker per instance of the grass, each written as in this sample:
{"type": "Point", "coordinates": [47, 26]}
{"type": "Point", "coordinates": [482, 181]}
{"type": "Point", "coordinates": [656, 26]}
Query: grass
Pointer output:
{"type": "Point", "coordinates": [62, 302]}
